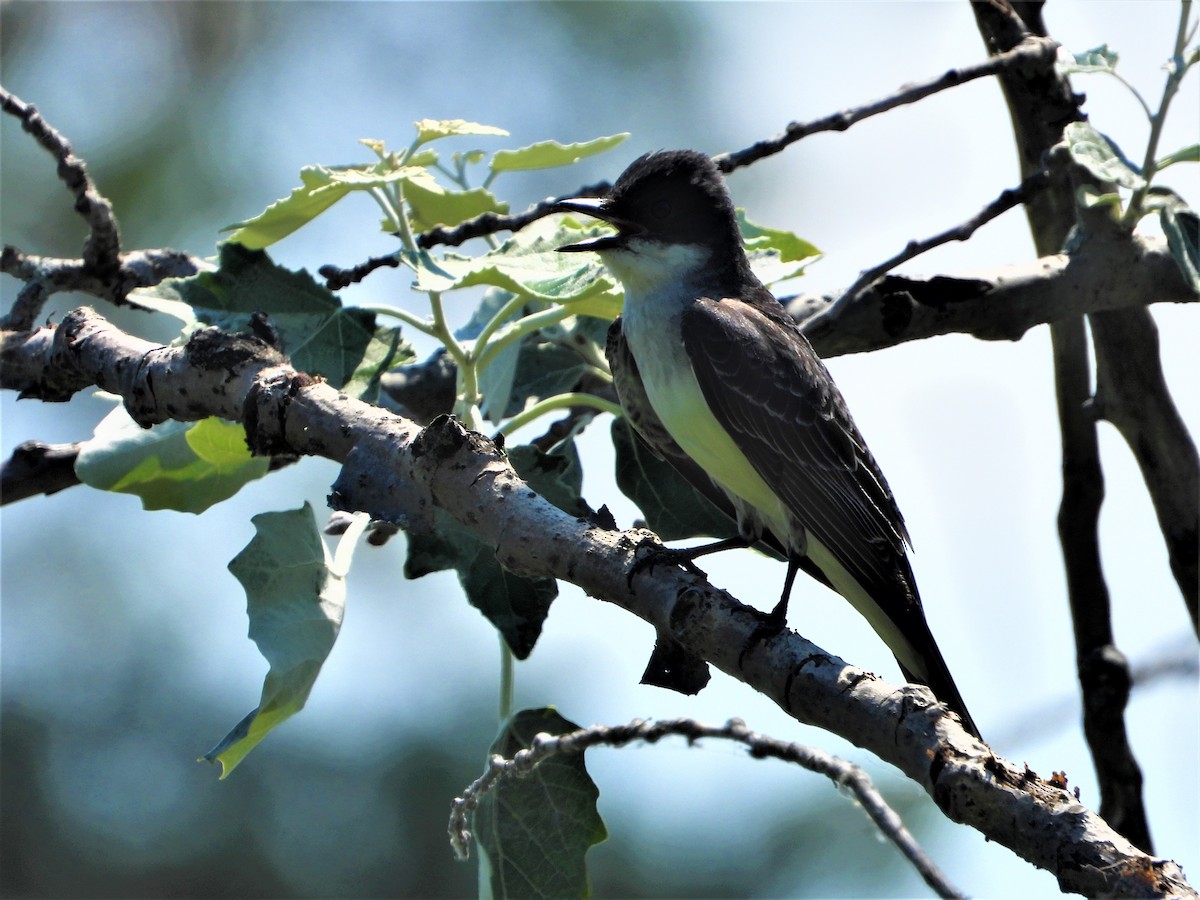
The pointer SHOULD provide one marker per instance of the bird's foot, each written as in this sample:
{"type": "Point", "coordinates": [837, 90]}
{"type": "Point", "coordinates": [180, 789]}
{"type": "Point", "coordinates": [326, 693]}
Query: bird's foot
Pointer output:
{"type": "Point", "coordinates": [770, 624]}
{"type": "Point", "coordinates": [659, 555]}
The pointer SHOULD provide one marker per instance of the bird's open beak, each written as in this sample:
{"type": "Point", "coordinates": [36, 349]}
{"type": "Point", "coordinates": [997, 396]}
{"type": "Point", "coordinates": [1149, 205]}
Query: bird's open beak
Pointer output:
{"type": "Point", "coordinates": [594, 207]}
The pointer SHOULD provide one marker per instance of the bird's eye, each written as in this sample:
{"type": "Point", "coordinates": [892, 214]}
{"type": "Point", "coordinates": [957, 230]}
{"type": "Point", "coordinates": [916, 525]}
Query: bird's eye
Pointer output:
{"type": "Point", "coordinates": [661, 209]}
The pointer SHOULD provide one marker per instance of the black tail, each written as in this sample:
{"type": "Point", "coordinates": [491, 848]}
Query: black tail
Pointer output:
{"type": "Point", "coordinates": [937, 678]}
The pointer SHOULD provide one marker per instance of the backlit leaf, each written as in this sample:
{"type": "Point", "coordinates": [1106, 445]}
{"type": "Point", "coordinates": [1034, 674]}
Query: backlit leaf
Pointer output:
{"type": "Point", "coordinates": [547, 154]}
{"type": "Point", "coordinates": [534, 832]}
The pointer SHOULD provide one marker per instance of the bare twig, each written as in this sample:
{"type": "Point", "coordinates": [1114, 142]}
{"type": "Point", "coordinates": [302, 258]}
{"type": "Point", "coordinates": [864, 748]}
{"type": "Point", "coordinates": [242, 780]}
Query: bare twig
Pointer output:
{"type": "Point", "coordinates": [44, 275]}
{"type": "Point", "coordinates": [1103, 670]}
{"type": "Point", "coordinates": [1132, 394]}
{"type": "Point", "coordinates": [490, 223]}
{"type": "Point", "coordinates": [103, 245]}
{"type": "Point", "coordinates": [1007, 200]}
{"type": "Point", "coordinates": [1032, 53]}
{"type": "Point", "coordinates": [839, 771]}
{"type": "Point", "coordinates": [337, 278]}
{"type": "Point", "coordinates": [104, 271]}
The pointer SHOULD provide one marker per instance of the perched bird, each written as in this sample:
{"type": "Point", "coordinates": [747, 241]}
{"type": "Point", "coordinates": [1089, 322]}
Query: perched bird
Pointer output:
{"type": "Point", "coordinates": [717, 379]}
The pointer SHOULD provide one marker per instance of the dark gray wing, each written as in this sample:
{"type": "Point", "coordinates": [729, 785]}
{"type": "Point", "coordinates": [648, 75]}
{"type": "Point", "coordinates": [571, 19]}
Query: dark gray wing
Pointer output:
{"type": "Point", "coordinates": [771, 392]}
{"type": "Point", "coordinates": [650, 429]}
{"type": "Point", "coordinates": [774, 396]}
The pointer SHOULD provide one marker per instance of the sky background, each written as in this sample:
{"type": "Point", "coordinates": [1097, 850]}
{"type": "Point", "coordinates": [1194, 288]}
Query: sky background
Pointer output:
{"type": "Point", "coordinates": [123, 635]}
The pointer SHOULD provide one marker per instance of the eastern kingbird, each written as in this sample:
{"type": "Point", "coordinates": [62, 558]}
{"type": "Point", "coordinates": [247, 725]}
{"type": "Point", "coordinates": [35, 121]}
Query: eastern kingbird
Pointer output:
{"type": "Point", "coordinates": [717, 379]}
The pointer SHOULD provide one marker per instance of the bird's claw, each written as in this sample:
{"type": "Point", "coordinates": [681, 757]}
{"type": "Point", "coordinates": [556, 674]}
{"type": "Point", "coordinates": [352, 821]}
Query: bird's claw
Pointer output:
{"type": "Point", "coordinates": [769, 626]}
{"type": "Point", "coordinates": [658, 555]}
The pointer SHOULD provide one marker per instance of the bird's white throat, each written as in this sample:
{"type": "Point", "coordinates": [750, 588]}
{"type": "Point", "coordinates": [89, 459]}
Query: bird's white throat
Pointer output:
{"type": "Point", "coordinates": [652, 267]}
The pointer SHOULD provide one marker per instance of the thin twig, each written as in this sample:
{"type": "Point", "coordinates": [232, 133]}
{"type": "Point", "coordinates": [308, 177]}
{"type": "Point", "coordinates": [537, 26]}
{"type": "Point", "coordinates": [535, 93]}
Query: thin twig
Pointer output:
{"type": "Point", "coordinates": [843, 774]}
{"type": "Point", "coordinates": [490, 223]}
{"type": "Point", "coordinates": [46, 275]}
{"type": "Point", "coordinates": [337, 278]}
{"type": "Point", "coordinates": [1033, 51]}
{"type": "Point", "coordinates": [1002, 204]}
{"type": "Point", "coordinates": [101, 251]}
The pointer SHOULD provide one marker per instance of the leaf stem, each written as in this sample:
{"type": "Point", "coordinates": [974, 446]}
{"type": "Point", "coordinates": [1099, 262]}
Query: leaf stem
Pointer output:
{"type": "Point", "coordinates": [519, 329]}
{"type": "Point", "coordinates": [466, 406]}
{"type": "Point", "coordinates": [501, 317]}
{"type": "Point", "coordinates": [558, 401]}
{"type": "Point", "coordinates": [507, 680]}
{"type": "Point", "coordinates": [409, 319]}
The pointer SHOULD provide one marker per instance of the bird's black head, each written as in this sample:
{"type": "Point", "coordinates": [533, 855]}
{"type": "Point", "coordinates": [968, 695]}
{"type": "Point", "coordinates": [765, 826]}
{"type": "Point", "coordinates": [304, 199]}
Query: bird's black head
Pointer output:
{"type": "Point", "coordinates": [671, 197]}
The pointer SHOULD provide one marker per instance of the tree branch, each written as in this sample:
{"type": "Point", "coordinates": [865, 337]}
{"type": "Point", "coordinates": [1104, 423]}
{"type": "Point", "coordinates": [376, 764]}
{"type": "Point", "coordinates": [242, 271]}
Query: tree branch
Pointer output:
{"type": "Point", "coordinates": [45, 275]}
{"type": "Point", "coordinates": [36, 468]}
{"type": "Point", "coordinates": [103, 244]}
{"type": "Point", "coordinates": [1107, 272]}
{"type": "Point", "coordinates": [1032, 53]}
{"type": "Point", "coordinates": [1041, 104]}
{"type": "Point", "coordinates": [1132, 394]}
{"type": "Point", "coordinates": [396, 471]}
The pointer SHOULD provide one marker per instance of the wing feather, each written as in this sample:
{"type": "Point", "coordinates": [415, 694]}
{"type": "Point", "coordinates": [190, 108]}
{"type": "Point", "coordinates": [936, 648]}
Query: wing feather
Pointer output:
{"type": "Point", "coordinates": [766, 385]}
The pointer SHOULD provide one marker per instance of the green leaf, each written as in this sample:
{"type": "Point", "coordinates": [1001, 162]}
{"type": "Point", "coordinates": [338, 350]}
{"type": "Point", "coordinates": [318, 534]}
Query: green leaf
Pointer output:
{"type": "Point", "coordinates": [548, 154]}
{"type": "Point", "coordinates": [528, 264]}
{"type": "Point", "coordinates": [316, 193]}
{"type": "Point", "coordinates": [672, 507]}
{"type": "Point", "coordinates": [431, 206]}
{"type": "Point", "coordinates": [296, 596]}
{"type": "Point", "coordinates": [1184, 154]}
{"type": "Point", "coordinates": [320, 188]}
{"type": "Point", "coordinates": [775, 255]}
{"type": "Point", "coordinates": [470, 157]}
{"type": "Point", "coordinates": [1181, 226]}
{"type": "Point", "coordinates": [433, 129]}
{"type": "Point", "coordinates": [1087, 197]}
{"type": "Point", "coordinates": [790, 246]}
{"type": "Point", "coordinates": [185, 466]}
{"type": "Point", "coordinates": [321, 337]}
{"type": "Point", "coordinates": [550, 362]}
{"type": "Point", "coordinates": [557, 476]}
{"type": "Point", "coordinates": [1100, 156]}
{"type": "Point", "coordinates": [1098, 59]}
{"type": "Point", "coordinates": [496, 379]}
{"type": "Point", "coordinates": [534, 832]}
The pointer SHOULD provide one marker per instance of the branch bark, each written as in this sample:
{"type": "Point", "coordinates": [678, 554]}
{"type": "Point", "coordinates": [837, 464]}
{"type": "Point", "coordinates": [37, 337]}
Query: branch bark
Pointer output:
{"type": "Point", "coordinates": [1132, 394]}
{"type": "Point", "coordinates": [36, 468]}
{"type": "Point", "coordinates": [397, 471]}
{"type": "Point", "coordinates": [1107, 272]}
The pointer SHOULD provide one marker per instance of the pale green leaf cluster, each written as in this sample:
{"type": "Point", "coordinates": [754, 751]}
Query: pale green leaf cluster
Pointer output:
{"type": "Point", "coordinates": [1112, 171]}
{"type": "Point", "coordinates": [1100, 155]}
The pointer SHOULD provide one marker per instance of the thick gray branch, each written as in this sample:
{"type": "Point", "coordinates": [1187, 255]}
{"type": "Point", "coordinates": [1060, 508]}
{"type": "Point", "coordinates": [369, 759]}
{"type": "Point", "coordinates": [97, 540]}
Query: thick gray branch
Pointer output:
{"type": "Point", "coordinates": [1108, 272]}
{"type": "Point", "coordinates": [394, 470]}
